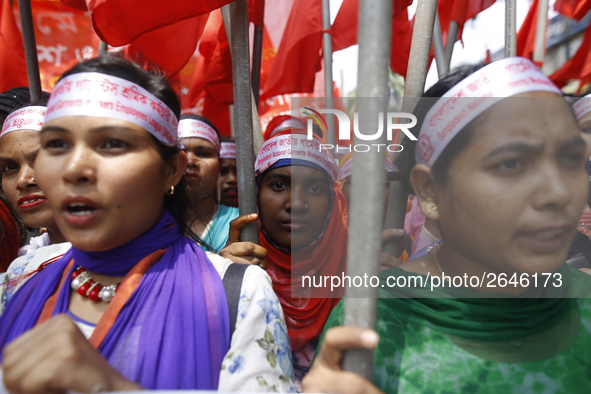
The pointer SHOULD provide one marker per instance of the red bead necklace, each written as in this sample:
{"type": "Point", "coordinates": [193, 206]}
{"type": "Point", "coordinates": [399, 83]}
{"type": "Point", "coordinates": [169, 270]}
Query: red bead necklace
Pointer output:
{"type": "Point", "coordinates": [86, 287]}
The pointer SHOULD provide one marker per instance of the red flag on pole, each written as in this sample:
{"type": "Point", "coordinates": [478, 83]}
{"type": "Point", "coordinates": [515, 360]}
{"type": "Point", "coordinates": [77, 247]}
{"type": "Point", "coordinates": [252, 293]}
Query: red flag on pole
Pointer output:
{"type": "Point", "coordinates": [578, 66]}
{"type": "Point", "coordinates": [401, 39]}
{"type": "Point", "coordinates": [526, 37]}
{"type": "Point", "coordinates": [13, 67]}
{"type": "Point", "coordinates": [298, 54]}
{"type": "Point", "coordinates": [574, 9]}
{"type": "Point", "coordinates": [119, 22]}
{"type": "Point", "coordinates": [344, 28]}
{"type": "Point", "coordinates": [169, 47]}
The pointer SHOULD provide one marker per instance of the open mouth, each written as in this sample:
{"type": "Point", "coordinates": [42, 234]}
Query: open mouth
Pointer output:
{"type": "Point", "coordinates": [31, 201]}
{"type": "Point", "coordinates": [548, 240]}
{"type": "Point", "coordinates": [80, 209]}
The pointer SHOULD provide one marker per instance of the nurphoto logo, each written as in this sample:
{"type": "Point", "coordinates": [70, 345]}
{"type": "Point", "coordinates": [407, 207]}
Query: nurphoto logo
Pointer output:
{"type": "Point", "coordinates": [393, 120]}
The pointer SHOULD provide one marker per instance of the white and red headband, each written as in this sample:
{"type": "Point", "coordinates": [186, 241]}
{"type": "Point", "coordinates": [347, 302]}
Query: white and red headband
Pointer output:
{"type": "Point", "coordinates": [287, 124]}
{"type": "Point", "coordinates": [96, 94]}
{"type": "Point", "coordinates": [347, 169]}
{"type": "Point", "coordinates": [295, 147]}
{"type": "Point", "coordinates": [582, 107]}
{"type": "Point", "coordinates": [474, 95]}
{"type": "Point", "coordinates": [28, 118]}
{"type": "Point", "coordinates": [228, 150]}
{"type": "Point", "coordinates": [196, 128]}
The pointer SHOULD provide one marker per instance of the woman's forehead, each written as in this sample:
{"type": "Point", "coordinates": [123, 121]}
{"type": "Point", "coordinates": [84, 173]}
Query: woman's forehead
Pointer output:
{"type": "Point", "coordinates": [298, 172]}
{"type": "Point", "coordinates": [19, 142]}
{"type": "Point", "coordinates": [539, 119]}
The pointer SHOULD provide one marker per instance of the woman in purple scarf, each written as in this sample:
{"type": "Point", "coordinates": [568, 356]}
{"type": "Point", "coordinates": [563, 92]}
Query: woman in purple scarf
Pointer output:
{"type": "Point", "coordinates": [134, 304]}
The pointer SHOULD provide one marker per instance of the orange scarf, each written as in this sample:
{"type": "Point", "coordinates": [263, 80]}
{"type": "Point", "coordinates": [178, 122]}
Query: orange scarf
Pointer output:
{"type": "Point", "coordinates": [305, 316]}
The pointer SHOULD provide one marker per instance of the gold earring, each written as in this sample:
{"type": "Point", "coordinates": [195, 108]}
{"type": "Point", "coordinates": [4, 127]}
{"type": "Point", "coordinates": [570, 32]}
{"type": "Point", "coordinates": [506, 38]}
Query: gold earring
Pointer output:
{"type": "Point", "coordinates": [429, 207]}
{"type": "Point", "coordinates": [170, 192]}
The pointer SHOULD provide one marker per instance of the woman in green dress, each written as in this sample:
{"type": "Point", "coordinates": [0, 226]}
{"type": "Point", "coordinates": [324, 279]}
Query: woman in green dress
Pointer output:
{"type": "Point", "coordinates": [503, 177]}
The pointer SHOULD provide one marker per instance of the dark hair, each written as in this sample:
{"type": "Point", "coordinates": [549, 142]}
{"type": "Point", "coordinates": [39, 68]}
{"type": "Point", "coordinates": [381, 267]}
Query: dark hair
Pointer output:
{"type": "Point", "coordinates": [405, 161]}
{"type": "Point", "coordinates": [155, 83]}
{"type": "Point", "coordinates": [204, 120]}
{"type": "Point", "coordinates": [227, 139]}
{"type": "Point", "coordinates": [16, 98]}
{"type": "Point", "coordinates": [20, 225]}
{"type": "Point", "coordinates": [22, 228]}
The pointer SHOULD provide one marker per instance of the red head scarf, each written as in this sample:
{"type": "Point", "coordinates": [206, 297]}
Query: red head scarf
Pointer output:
{"type": "Point", "coordinates": [9, 238]}
{"type": "Point", "coordinates": [306, 316]}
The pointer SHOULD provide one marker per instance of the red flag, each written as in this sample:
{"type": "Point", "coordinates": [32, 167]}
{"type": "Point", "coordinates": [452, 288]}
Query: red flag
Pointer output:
{"type": "Point", "coordinates": [169, 47]}
{"type": "Point", "coordinates": [119, 22]}
{"type": "Point", "coordinates": [578, 66]}
{"type": "Point", "coordinates": [574, 9]}
{"type": "Point", "coordinates": [459, 11]}
{"type": "Point", "coordinates": [344, 28]}
{"type": "Point", "coordinates": [526, 37]}
{"type": "Point", "coordinates": [298, 54]}
{"type": "Point", "coordinates": [64, 38]}
{"type": "Point", "coordinates": [401, 39]}
{"type": "Point", "coordinates": [13, 67]}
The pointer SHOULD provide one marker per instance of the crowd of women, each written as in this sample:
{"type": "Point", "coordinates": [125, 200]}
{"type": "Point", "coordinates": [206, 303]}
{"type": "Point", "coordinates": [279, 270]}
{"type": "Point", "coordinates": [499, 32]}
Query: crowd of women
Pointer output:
{"type": "Point", "coordinates": [139, 279]}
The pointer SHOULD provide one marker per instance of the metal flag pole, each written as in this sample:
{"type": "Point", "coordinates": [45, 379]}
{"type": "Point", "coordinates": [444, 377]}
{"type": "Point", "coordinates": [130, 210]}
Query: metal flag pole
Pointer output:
{"type": "Point", "coordinates": [328, 86]}
{"type": "Point", "coordinates": [413, 89]}
{"type": "Point", "coordinates": [24, 7]}
{"type": "Point", "coordinates": [452, 33]}
{"type": "Point", "coordinates": [258, 140]}
{"type": "Point", "coordinates": [103, 47]}
{"type": "Point", "coordinates": [366, 212]}
{"type": "Point", "coordinates": [257, 53]}
{"type": "Point", "coordinates": [540, 43]}
{"type": "Point", "coordinates": [510, 28]}
{"type": "Point", "coordinates": [438, 49]}
{"type": "Point", "coordinates": [238, 23]}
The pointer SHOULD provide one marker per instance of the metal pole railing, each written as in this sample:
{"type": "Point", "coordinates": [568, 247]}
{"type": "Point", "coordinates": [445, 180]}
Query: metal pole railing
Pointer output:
{"type": "Point", "coordinates": [510, 28]}
{"type": "Point", "coordinates": [540, 43]}
{"type": "Point", "coordinates": [29, 42]}
{"type": "Point", "coordinates": [328, 87]}
{"type": "Point", "coordinates": [237, 13]}
{"type": "Point", "coordinates": [366, 212]}
{"type": "Point", "coordinates": [420, 48]}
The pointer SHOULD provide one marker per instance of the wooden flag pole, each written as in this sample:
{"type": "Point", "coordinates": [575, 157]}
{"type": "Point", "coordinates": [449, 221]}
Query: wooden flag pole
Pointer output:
{"type": "Point", "coordinates": [29, 42]}
{"type": "Point", "coordinates": [243, 117]}
{"type": "Point", "coordinates": [367, 208]}
{"type": "Point", "coordinates": [103, 47]}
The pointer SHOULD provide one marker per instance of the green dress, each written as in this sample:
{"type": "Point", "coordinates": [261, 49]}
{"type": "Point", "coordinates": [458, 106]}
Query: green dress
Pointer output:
{"type": "Point", "coordinates": [445, 345]}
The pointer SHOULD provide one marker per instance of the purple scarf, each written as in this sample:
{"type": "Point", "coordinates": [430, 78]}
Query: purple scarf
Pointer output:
{"type": "Point", "coordinates": [172, 333]}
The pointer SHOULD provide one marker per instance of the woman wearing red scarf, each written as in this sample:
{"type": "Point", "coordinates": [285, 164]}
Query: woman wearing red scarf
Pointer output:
{"type": "Point", "coordinates": [304, 229]}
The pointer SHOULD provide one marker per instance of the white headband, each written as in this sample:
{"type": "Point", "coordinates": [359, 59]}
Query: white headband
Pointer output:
{"type": "Point", "coordinates": [347, 169]}
{"type": "Point", "coordinates": [296, 147]}
{"type": "Point", "coordinates": [228, 150]}
{"type": "Point", "coordinates": [292, 123]}
{"type": "Point", "coordinates": [28, 118]}
{"type": "Point", "coordinates": [471, 97]}
{"type": "Point", "coordinates": [196, 128]}
{"type": "Point", "coordinates": [96, 94]}
{"type": "Point", "coordinates": [582, 107]}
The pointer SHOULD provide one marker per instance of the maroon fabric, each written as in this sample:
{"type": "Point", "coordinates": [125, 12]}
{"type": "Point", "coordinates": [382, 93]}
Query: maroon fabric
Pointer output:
{"type": "Point", "coordinates": [10, 238]}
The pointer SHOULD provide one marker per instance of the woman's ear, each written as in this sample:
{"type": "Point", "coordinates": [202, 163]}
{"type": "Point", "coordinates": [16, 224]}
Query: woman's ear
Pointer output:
{"type": "Point", "coordinates": [423, 185]}
{"type": "Point", "coordinates": [175, 169]}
